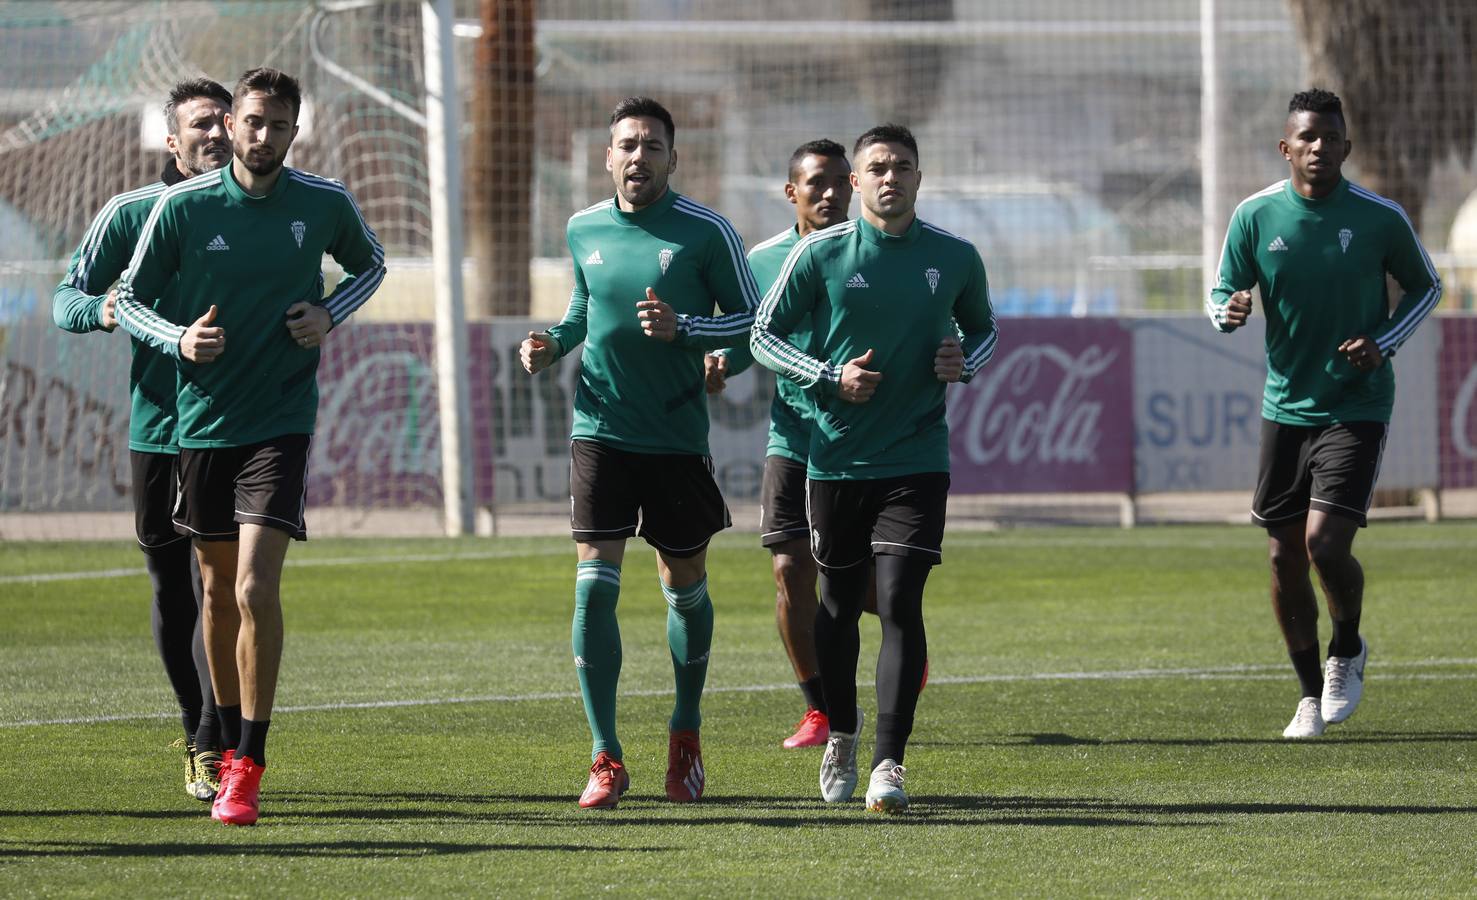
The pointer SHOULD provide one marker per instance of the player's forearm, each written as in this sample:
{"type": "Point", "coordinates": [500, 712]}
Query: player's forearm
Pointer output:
{"type": "Point", "coordinates": [774, 352]}
{"type": "Point", "coordinates": [352, 293]}
{"type": "Point", "coordinates": [714, 332]}
{"type": "Point", "coordinates": [75, 310]}
{"type": "Point", "coordinates": [1415, 305]}
{"type": "Point", "coordinates": [1217, 308]}
{"type": "Point", "coordinates": [148, 326]}
{"type": "Point", "coordinates": [979, 348]}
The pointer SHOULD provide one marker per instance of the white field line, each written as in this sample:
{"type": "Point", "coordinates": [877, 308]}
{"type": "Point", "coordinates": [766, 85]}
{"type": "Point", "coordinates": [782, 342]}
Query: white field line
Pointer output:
{"type": "Point", "coordinates": [953, 543]}
{"type": "Point", "coordinates": [1228, 673]}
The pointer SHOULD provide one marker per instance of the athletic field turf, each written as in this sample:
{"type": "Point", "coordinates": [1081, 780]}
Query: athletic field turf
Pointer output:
{"type": "Point", "coordinates": [1104, 717]}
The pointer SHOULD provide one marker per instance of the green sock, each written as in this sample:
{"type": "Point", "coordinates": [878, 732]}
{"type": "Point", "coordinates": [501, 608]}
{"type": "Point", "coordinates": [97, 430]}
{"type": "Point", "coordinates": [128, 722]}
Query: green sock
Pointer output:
{"type": "Point", "coordinates": [690, 637]}
{"type": "Point", "coordinates": [596, 636]}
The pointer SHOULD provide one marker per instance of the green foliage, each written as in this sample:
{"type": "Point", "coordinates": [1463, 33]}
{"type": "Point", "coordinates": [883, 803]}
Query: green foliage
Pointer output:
{"type": "Point", "coordinates": [1053, 753]}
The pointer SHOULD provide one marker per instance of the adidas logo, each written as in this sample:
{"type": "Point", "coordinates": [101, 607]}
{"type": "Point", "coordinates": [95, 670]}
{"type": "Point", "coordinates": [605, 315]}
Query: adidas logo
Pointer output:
{"type": "Point", "coordinates": [857, 281]}
{"type": "Point", "coordinates": [218, 244]}
{"type": "Point", "coordinates": [1277, 244]}
{"type": "Point", "coordinates": [594, 259]}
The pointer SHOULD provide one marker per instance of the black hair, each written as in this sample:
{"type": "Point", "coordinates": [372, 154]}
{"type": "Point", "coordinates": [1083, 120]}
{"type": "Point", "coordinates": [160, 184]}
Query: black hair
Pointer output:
{"type": "Point", "coordinates": [189, 90]}
{"type": "Point", "coordinates": [886, 134]}
{"type": "Point", "coordinates": [644, 106]}
{"type": "Point", "coordinates": [1316, 100]}
{"type": "Point", "coordinates": [823, 147]}
{"type": "Point", "coordinates": [273, 83]}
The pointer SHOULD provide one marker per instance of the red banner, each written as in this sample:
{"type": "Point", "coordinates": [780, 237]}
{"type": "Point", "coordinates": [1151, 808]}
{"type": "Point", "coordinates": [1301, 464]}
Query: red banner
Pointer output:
{"type": "Point", "coordinates": [1052, 412]}
{"type": "Point", "coordinates": [1456, 398]}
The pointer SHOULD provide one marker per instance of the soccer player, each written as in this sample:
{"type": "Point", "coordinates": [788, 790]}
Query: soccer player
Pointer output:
{"type": "Point", "coordinates": [246, 245]}
{"type": "Point", "coordinates": [819, 186]}
{"type": "Point", "coordinates": [888, 297]}
{"type": "Point", "coordinates": [1318, 248]}
{"type": "Point", "coordinates": [649, 265]}
{"type": "Point", "coordinates": [195, 118]}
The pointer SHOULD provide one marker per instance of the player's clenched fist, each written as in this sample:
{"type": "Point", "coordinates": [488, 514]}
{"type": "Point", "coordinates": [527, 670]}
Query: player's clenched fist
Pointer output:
{"type": "Point", "coordinates": [658, 319]}
{"type": "Point", "coordinates": [948, 362]}
{"type": "Point", "coordinates": [203, 342]}
{"type": "Point", "coordinates": [858, 383]}
{"type": "Point", "coordinates": [1238, 308]}
{"type": "Point", "coordinates": [537, 351]}
{"type": "Point", "coordinates": [715, 372]}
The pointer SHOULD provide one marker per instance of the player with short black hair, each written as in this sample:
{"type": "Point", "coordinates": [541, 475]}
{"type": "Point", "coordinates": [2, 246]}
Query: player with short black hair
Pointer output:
{"type": "Point", "coordinates": [888, 297]}
{"type": "Point", "coordinates": [194, 117]}
{"type": "Point", "coordinates": [245, 245]}
{"type": "Point", "coordinates": [649, 266]}
{"type": "Point", "coordinates": [819, 187]}
{"type": "Point", "coordinates": [1318, 248]}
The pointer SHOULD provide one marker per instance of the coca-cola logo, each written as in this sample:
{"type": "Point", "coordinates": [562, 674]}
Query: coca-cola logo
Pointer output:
{"type": "Point", "coordinates": [1462, 426]}
{"type": "Point", "coordinates": [377, 420]}
{"type": "Point", "coordinates": [1033, 407]}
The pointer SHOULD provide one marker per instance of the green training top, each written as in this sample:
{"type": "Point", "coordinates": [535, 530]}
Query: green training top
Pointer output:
{"type": "Point", "coordinates": [899, 296]}
{"type": "Point", "coordinates": [77, 304]}
{"type": "Point", "coordinates": [790, 412]}
{"type": "Point", "coordinates": [1321, 265]}
{"type": "Point", "coordinates": [635, 392]}
{"type": "Point", "coordinates": [252, 257]}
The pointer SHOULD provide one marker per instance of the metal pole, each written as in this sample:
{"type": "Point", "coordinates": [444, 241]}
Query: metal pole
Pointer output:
{"type": "Point", "coordinates": [1213, 220]}
{"type": "Point", "coordinates": [443, 159]}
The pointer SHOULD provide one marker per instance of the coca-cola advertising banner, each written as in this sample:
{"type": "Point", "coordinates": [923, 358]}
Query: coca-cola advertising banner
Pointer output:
{"type": "Point", "coordinates": [1457, 398]}
{"type": "Point", "coordinates": [1052, 412]}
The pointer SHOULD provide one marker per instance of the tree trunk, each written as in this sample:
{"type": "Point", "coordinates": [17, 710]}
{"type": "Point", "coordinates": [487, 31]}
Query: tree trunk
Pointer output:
{"type": "Point", "coordinates": [499, 177]}
{"type": "Point", "coordinates": [1407, 78]}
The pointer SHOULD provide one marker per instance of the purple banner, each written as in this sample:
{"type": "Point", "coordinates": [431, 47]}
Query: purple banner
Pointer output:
{"type": "Point", "coordinates": [1456, 396]}
{"type": "Point", "coordinates": [378, 439]}
{"type": "Point", "coordinates": [1052, 412]}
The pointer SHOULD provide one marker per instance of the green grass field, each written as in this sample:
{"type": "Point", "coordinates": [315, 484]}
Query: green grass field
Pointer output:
{"type": "Point", "coordinates": [1104, 717]}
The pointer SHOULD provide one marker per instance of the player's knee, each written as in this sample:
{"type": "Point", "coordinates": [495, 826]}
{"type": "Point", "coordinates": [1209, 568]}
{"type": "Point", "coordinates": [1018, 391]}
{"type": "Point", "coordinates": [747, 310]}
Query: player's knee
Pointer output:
{"type": "Point", "coordinates": [795, 578]}
{"type": "Point", "coordinates": [255, 596]}
{"type": "Point", "coordinates": [1288, 560]}
{"type": "Point", "coordinates": [1327, 551]}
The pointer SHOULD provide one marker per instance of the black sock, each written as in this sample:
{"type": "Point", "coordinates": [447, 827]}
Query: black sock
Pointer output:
{"type": "Point", "coordinates": [254, 741]}
{"type": "Point", "coordinates": [893, 731]}
{"type": "Point", "coordinates": [838, 642]}
{"type": "Point", "coordinates": [1309, 670]}
{"type": "Point", "coordinates": [208, 734]}
{"type": "Point", "coordinates": [174, 617]}
{"type": "Point", "coordinates": [230, 721]}
{"type": "Point", "coordinates": [814, 697]}
{"type": "Point", "coordinates": [1345, 641]}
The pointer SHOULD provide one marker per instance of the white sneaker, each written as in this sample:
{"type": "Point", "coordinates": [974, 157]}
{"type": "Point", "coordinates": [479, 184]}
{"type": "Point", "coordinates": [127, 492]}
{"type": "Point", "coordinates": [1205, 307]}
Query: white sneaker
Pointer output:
{"type": "Point", "coordinates": [1343, 684]}
{"type": "Point", "coordinates": [1306, 722]}
{"type": "Point", "coordinates": [885, 792]}
{"type": "Point", "coordinates": [838, 766]}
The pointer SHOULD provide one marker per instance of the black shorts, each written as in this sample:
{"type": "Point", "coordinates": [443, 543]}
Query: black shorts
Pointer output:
{"type": "Point", "coordinates": [782, 502]}
{"type": "Point", "coordinates": [155, 488]}
{"type": "Point", "coordinates": [1331, 468]}
{"type": "Point", "coordinates": [851, 521]}
{"type": "Point", "coordinates": [669, 499]}
{"type": "Point", "coordinates": [261, 484]}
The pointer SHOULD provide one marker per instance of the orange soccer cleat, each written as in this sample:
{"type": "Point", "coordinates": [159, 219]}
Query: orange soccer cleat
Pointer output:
{"type": "Point", "coordinates": [608, 781]}
{"type": "Point", "coordinates": [228, 761]}
{"type": "Point", "coordinates": [811, 731]}
{"type": "Point", "coordinates": [685, 777]}
{"type": "Point", "coordinates": [240, 798]}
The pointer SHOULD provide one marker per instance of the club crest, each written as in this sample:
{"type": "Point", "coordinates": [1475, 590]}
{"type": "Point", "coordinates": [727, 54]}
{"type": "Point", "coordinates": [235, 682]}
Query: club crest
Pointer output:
{"type": "Point", "coordinates": [298, 230]}
{"type": "Point", "coordinates": [933, 280]}
{"type": "Point", "coordinates": [665, 258]}
{"type": "Point", "coordinates": [1345, 236]}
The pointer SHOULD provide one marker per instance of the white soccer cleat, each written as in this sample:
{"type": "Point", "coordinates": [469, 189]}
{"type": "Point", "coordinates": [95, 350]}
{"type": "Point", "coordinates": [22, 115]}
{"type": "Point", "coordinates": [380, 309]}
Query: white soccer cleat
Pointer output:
{"type": "Point", "coordinates": [885, 792]}
{"type": "Point", "coordinates": [1307, 721]}
{"type": "Point", "coordinates": [838, 765]}
{"type": "Point", "coordinates": [1343, 684]}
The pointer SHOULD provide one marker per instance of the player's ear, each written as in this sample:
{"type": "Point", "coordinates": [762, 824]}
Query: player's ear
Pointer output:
{"type": "Point", "coordinates": [854, 182]}
{"type": "Point", "coordinates": [1283, 149]}
{"type": "Point", "coordinates": [790, 192]}
{"type": "Point", "coordinates": [672, 161]}
{"type": "Point", "coordinates": [1348, 148]}
{"type": "Point", "coordinates": [171, 143]}
{"type": "Point", "coordinates": [230, 122]}
{"type": "Point", "coordinates": [608, 166]}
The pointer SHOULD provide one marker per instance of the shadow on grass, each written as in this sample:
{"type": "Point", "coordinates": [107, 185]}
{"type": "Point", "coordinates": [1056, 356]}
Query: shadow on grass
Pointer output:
{"type": "Point", "coordinates": [323, 850]}
{"type": "Point", "coordinates": [1054, 739]}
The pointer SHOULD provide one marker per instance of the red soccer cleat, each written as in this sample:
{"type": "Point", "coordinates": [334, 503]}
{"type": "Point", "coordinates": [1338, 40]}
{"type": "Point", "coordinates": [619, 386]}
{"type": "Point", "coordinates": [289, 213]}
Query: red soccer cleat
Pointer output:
{"type": "Point", "coordinates": [685, 777]}
{"type": "Point", "coordinates": [811, 731]}
{"type": "Point", "coordinates": [240, 800]}
{"type": "Point", "coordinates": [608, 781]}
{"type": "Point", "coordinates": [228, 763]}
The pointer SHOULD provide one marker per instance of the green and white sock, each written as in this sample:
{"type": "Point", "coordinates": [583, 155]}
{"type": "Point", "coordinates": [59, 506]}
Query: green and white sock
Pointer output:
{"type": "Point", "coordinates": [690, 637]}
{"type": "Point", "coordinates": [596, 637]}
